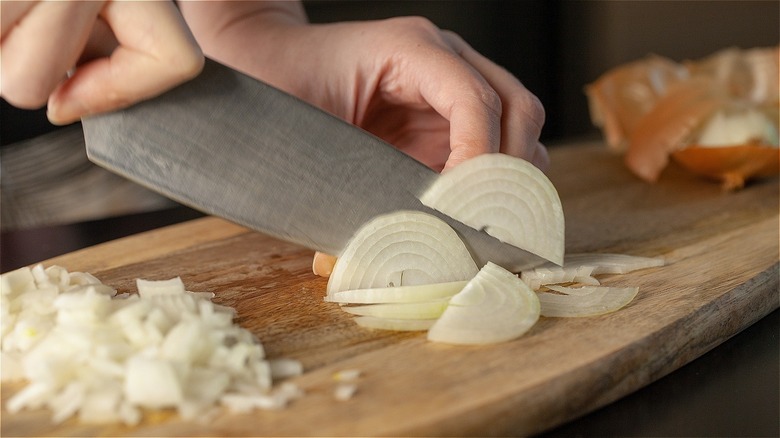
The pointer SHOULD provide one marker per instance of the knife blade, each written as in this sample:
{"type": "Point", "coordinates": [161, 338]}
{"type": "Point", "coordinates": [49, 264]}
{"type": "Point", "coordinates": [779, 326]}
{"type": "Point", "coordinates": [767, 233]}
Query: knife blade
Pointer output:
{"type": "Point", "coordinates": [232, 146]}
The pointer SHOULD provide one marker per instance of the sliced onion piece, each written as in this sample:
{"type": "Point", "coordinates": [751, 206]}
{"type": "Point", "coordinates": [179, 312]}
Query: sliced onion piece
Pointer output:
{"type": "Point", "coordinates": [584, 301]}
{"type": "Point", "coordinates": [580, 268]}
{"type": "Point", "coordinates": [423, 310]}
{"type": "Point", "coordinates": [508, 198]}
{"type": "Point", "coordinates": [495, 306]}
{"type": "Point", "coordinates": [401, 248]}
{"type": "Point", "coordinates": [401, 325]}
{"type": "Point", "coordinates": [398, 294]}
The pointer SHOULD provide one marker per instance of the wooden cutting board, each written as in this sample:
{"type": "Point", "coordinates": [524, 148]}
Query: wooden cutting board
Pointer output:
{"type": "Point", "coordinates": [722, 275]}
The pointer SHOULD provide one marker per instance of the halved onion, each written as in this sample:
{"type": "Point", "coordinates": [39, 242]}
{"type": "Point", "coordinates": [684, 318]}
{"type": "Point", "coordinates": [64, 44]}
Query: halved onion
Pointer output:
{"type": "Point", "coordinates": [581, 268]}
{"type": "Point", "coordinates": [398, 294]}
{"type": "Point", "coordinates": [401, 248]}
{"type": "Point", "coordinates": [421, 310]}
{"type": "Point", "coordinates": [508, 198]}
{"type": "Point", "coordinates": [584, 301]}
{"type": "Point", "coordinates": [495, 306]}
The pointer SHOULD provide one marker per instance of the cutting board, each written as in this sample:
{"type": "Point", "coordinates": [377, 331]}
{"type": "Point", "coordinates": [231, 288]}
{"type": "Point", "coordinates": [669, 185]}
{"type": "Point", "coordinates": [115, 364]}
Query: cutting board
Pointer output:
{"type": "Point", "coordinates": [721, 276]}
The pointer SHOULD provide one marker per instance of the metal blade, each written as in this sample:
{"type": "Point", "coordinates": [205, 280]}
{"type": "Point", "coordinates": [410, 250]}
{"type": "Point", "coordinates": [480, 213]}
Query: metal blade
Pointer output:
{"type": "Point", "coordinates": [234, 147]}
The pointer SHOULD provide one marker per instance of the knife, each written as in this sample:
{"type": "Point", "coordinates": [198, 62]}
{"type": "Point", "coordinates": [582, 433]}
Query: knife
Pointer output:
{"type": "Point", "coordinates": [232, 146]}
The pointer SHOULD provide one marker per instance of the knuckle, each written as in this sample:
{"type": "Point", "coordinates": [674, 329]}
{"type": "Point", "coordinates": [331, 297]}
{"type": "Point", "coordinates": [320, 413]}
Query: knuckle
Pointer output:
{"type": "Point", "coordinates": [187, 64]}
{"type": "Point", "coordinates": [529, 109]}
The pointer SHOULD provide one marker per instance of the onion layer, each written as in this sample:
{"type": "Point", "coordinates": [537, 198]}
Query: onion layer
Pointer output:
{"type": "Point", "coordinates": [421, 310]}
{"type": "Point", "coordinates": [584, 301]}
{"type": "Point", "coordinates": [505, 196]}
{"type": "Point", "coordinates": [408, 325]}
{"type": "Point", "coordinates": [398, 294]}
{"type": "Point", "coordinates": [581, 268]}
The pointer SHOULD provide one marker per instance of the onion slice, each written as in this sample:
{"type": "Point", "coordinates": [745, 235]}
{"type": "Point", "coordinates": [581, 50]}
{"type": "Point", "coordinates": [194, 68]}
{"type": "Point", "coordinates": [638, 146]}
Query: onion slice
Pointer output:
{"type": "Point", "coordinates": [409, 325]}
{"type": "Point", "coordinates": [423, 310]}
{"type": "Point", "coordinates": [401, 248]}
{"type": "Point", "coordinates": [505, 196]}
{"type": "Point", "coordinates": [584, 301]}
{"type": "Point", "coordinates": [495, 306]}
{"type": "Point", "coordinates": [581, 268]}
{"type": "Point", "coordinates": [398, 294]}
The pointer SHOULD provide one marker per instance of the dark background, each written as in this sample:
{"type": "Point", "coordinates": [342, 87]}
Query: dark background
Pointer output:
{"type": "Point", "coordinates": [555, 47]}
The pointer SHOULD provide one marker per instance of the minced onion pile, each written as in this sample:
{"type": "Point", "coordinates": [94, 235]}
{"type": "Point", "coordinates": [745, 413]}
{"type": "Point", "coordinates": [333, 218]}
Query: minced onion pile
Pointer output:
{"type": "Point", "coordinates": [89, 352]}
{"type": "Point", "coordinates": [409, 271]}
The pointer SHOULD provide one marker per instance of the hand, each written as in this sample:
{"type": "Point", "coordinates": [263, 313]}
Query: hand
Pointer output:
{"type": "Point", "coordinates": [422, 89]}
{"type": "Point", "coordinates": [88, 57]}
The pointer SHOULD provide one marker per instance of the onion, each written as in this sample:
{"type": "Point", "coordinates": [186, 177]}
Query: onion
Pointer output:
{"type": "Point", "coordinates": [345, 391]}
{"type": "Point", "coordinates": [398, 294]}
{"type": "Point", "coordinates": [88, 352]}
{"type": "Point", "coordinates": [401, 325]}
{"type": "Point", "coordinates": [584, 301]}
{"type": "Point", "coordinates": [729, 99]}
{"type": "Point", "coordinates": [619, 98]}
{"type": "Point", "coordinates": [581, 268]}
{"type": "Point", "coordinates": [495, 306]}
{"type": "Point", "coordinates": [421, 310]}
{"type": "Point", "coordinates": [401, 248]}
{"type": "Point", "coordinates": [505, 196]}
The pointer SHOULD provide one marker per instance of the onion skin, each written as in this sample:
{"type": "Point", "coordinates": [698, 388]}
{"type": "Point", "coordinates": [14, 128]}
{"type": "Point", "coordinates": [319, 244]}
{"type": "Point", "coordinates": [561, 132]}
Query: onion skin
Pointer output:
{"type": "Point", "coordinates": [731, 165]}
{"type": "Point", "coordinates": [621, 97]}
{"type": "Point", "coordinates": [663, 130]}
{"type": "Point", "coordinates": [677, 104]}
{"type": "Point", "coordinates": [322, 264]}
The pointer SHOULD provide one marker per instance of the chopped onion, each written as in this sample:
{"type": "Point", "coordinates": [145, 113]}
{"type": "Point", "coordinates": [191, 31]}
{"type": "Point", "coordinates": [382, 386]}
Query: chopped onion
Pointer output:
{"type": "Point", "coordinates": [581, 268]}
{"type": "Point", "coordinates": [584, 301]}
{"type": "Point", "coordinates": [505, 196]}
{"type": "Point", "coordinates": [88, 352]}
{"type": "Point", "coordinates": [345, 391]}
{"type": "Point", "coordinates": [398, 294]}
{"type": "Point", "coordinates": [400, 325]}
{"type": "Point", "coordinates": [347, 375]}
{"type": "Point", "coordinates": [495, 306]}
{"type": "Point", "coordinates": [422, 310]}
{"type": "Point", "coordinates": [398, 249]}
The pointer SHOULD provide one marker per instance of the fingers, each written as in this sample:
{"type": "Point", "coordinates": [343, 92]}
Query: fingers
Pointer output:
{"type": "Point", "coordinates": [522, 114]}
{"type": "Point", "coordinates": [455, 90]}
{"type": "Point", "coordinates": [39, 47]}
{"type": "Point", "coordinates": [156, 52]}
{"type": "Point", "coordinates": [11, 12]}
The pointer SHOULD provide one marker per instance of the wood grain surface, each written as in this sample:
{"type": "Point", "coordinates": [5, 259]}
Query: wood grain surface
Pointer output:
{"type": "Point", "coordinates": [722, 275]}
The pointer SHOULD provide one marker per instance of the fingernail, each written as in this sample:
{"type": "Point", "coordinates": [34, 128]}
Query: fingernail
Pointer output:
{"type": "Point", "coordinates": [64, 112]}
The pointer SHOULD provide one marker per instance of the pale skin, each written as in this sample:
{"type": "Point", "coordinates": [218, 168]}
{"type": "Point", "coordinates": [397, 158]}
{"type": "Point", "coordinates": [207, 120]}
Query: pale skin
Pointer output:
{"type": "Point", "coordinates": [422, 89]}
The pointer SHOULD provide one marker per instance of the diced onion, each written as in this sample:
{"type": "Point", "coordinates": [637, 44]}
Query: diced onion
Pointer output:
{"type": "Point", "coordinates": [495, 306]}
{"type": "Point", "coordinates": [505, 196]}
{"type": "Point", "coordinates": [584, 301]}
{"type": "Point", "coordinates": [401, 248]}
{"type": "Point", "coordinates": [345, 391]}
{"type": "Point", "coordinates": [88, 352]}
